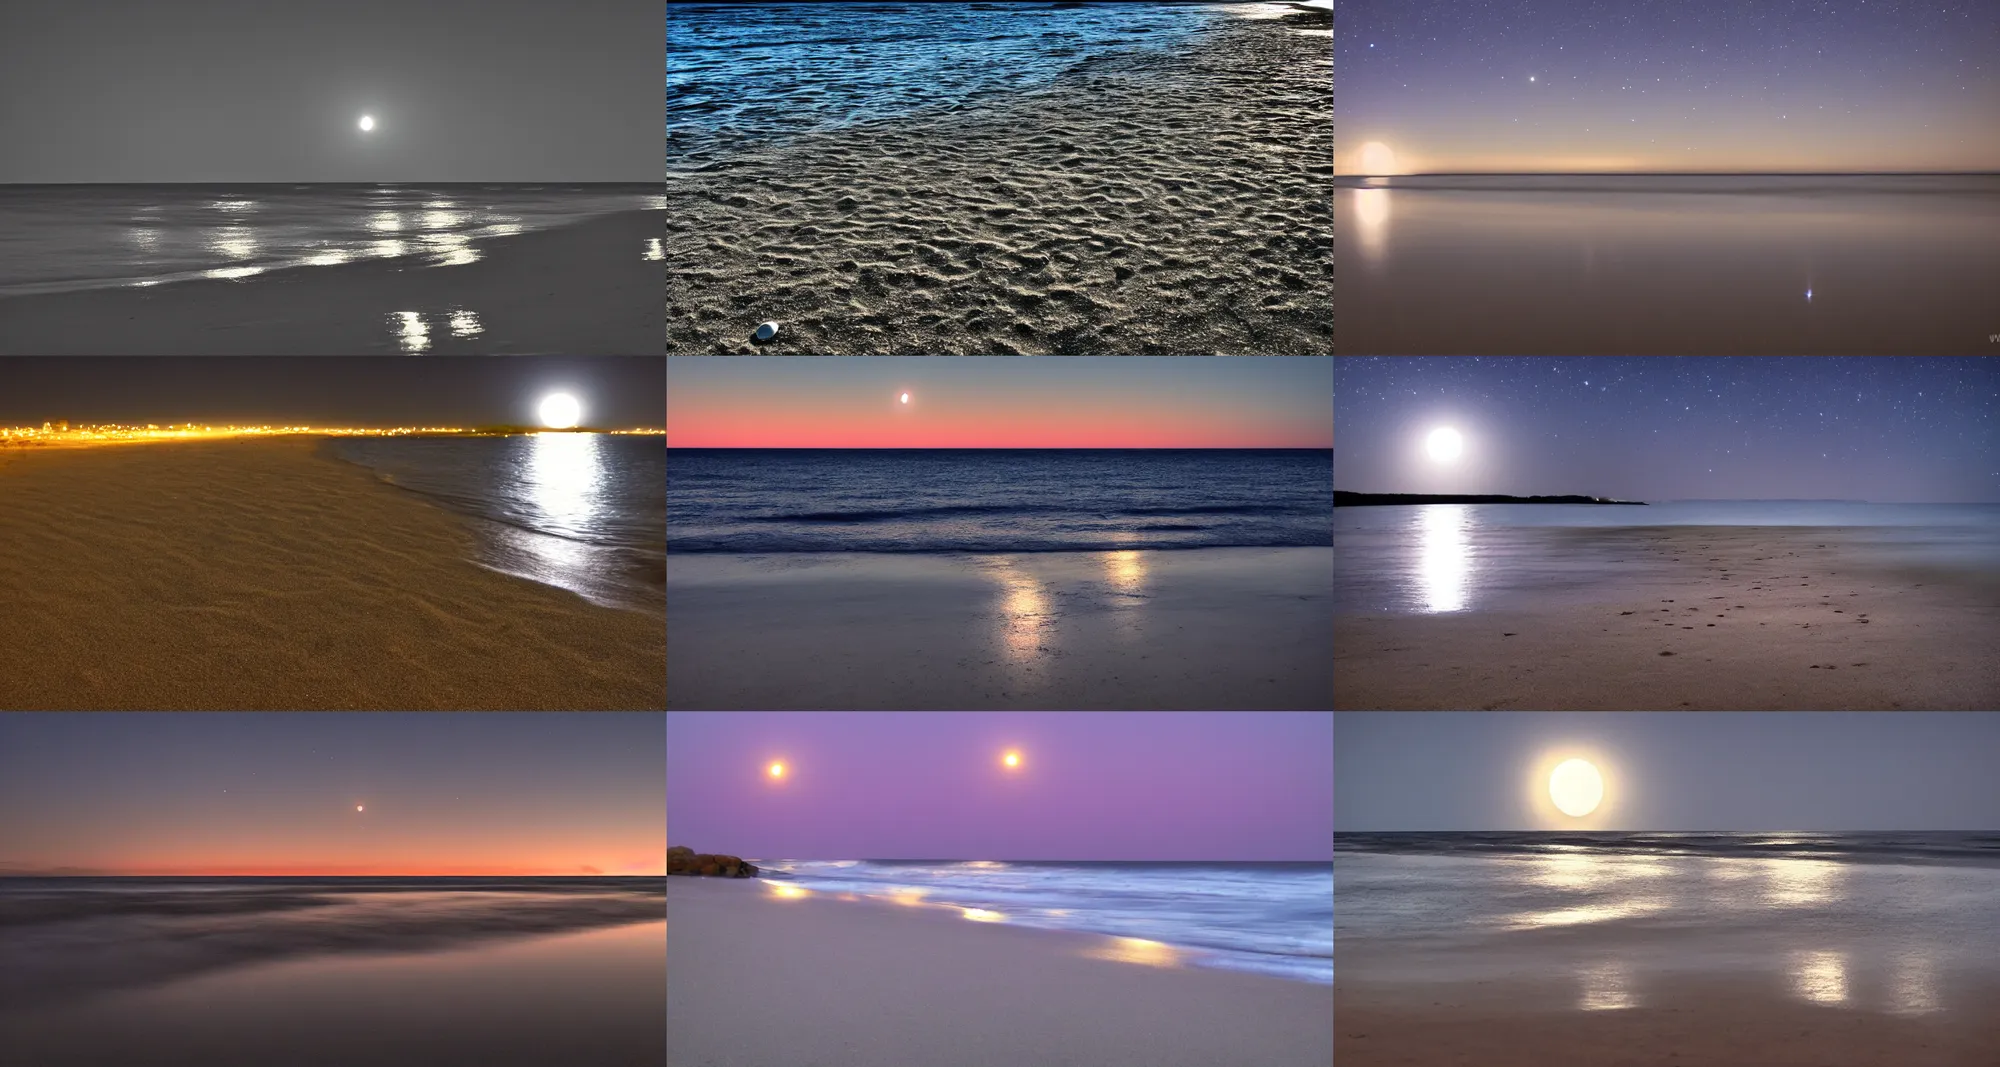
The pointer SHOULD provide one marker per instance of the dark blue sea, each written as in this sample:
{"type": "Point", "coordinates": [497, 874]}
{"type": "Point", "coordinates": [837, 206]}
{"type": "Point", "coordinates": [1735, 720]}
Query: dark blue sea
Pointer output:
{"type": "Point", "coordinates": [747, 74]}
{"type": "Point", "coordinates": [1271, 918]}
{"type": "Point", "coordinates": [581, 511]}
{"type": "Point", "coordinates": [994, 500]}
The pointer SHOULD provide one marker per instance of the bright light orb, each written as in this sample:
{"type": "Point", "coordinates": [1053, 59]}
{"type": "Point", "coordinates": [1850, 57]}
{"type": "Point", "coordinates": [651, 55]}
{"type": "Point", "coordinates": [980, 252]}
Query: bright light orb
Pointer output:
{"type": "Point", "coordinates": [560, 411]}
{"type": "Point", "coordinates": [1377, 158]}
{"type": "Point", "coordinates": [1012, 759]}
{"type": "Point", "coordinates": [357, 807]}
{"type": "Point", "coordinates": [777, 770]}
{"type": "Point", "coordinates": [367, 123]}
{"type": "Point", "coordinates": [1444, 444]}
{"type": "Point", "coordinates": [906, 398]}
{"type": "Point", "coordinates": [1576, 787]}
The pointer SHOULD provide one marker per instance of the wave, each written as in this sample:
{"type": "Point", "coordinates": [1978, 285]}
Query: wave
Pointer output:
{"type": "Point", "coordinates": [1981, 849]}
{"type": "Point", "coordinates": [935, 511]}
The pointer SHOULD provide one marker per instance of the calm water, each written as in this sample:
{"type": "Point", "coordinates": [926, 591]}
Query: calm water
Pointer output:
{"type": "Point", "coordinates": [970, 500]}
{"type": "Point", "coordinates": [66, 237]}
{"type": "Point", "coordinates": [1271, 918]}
{"type": "Point", "coordinates": [1879, 921]}
{"type": "Point", "coordinates": [582, 511]}
{"type": "Point", "coordinates": [744, 75]}
{"type": "Point", "coordinates": [1610, 264]}
{"type": "Point", "coordinates": [1432, 558]}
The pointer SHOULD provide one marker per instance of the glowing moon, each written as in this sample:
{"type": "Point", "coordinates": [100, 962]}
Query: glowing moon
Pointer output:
{"type": "Point", "coordinates": [357, 807]}
{"type": "Point", "coordinates": [1576, 787]}
{"type": "Point", "coordinates": [1444, 444]}
{"type": "Point", "coordinates": [1012, 759]}
{"type": "Point", "coordinates": [906, 398]}
{"type": "Point", "coordinates": [776, 770]}
{"type": "Point", "coordinates": [560, 411]}
{"type": "Point", "coordinates": [1377, 158]}
{"type": "Point", "coordinates": [367, 123]}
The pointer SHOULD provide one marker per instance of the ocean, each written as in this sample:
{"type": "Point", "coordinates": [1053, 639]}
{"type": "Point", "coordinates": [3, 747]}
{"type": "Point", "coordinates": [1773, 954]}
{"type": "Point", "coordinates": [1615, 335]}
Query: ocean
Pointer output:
{"type": "Point", "coordinates": [56, 238]}
{"type": "Point", "coordinates": [1270, 918]}
{"type": "Point", "coordinates": [1435, 558]}
{"type": "Point", "coordinates": [584, 512]}
{"type": "Point", "coordinates": [748, 74]}
{"type": "Point", "coordinates": [972, 500]}
{"type": "Point", "coordinates": [1877, 920]}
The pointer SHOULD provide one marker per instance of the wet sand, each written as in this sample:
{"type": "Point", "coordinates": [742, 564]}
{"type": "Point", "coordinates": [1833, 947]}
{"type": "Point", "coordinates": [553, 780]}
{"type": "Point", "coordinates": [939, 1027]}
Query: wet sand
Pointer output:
{"type": "Point", "coordinates": [259, 575]}
{"type": "Point", "coordinates": [1213, 629]}
{"type": "Point", "coordinates": [1744, 618]}
{"type": "Point", "coordinates": [863, 984]}
{"type": "Point", "coordinates": [582, 289]}
{"type": "Point", "coordinates": [1173, 204]}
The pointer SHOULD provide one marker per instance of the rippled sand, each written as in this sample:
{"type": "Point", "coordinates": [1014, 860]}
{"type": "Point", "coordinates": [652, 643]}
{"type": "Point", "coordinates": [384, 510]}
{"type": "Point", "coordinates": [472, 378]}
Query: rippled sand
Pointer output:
{"type": "Point", "coordinates": [1156, 204]}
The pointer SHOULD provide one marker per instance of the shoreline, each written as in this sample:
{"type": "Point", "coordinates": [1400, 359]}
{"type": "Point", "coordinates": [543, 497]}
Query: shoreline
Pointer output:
{"type": "Point", "coordinates": [909, 976]}
{"type": "Point", "coordinates": [261, 575]}
{"type": "Point", "coordinates": [1216, 628]}
{"type": "Point", "coordinates": [1149, 205]}
{"type": "Point", "coordinates": [578, 289]}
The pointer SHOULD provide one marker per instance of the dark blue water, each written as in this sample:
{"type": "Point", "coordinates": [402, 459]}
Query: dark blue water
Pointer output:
{"type": "Point", "coordinates": [1271, 918]}
{"type": "Point", "coordinates": [993, 500]}
{"type": "Point", "coordinates": [66, 237]}
{"type": "Point", "coordinates": [745, 75]}
{"type": "Point", "coordinates": [582, 511]}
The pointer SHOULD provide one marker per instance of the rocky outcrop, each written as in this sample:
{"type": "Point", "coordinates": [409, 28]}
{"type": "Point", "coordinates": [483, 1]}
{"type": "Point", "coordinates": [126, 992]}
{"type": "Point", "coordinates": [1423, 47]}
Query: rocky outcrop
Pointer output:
{"type": "Point", "coordinates": [684, 860]}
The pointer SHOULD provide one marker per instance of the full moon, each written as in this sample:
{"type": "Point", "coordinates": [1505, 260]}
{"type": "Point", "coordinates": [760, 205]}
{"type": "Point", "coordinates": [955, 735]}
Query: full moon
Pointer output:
{"type": "Point", "coordinates": [777, 770]}
{"type": "Point", "coordinates": [1378, 158]}
{"type": "Point", "coordinates": [1576, 787]}
{"type": "Point", "coordinates": [560, 411]}
{"type": "Point", "coordinates": [1012, 759]}
{"type": "Point", "coordinates": [367, 123]}
{"type": "Point", "coordinates": [906, 398]}
{"type": "Point", "coordinates": [1444, 444]}
{"type": "Point", "coordinates": [357, 807]}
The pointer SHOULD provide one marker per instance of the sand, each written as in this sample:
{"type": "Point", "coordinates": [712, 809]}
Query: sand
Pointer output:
{"type": "Point", "coordinates": [582, 289]}
{"type": "Point", "coordinates": [260, 575]}
{"type": "Point", "coordinates": [1210, 629]}
{"type": "Point", "coordinates": [1745, 618]}
{"type": "Point", "coordinates": [1174, 204]}
{"type": "Point", "coordinates": [758, 981]}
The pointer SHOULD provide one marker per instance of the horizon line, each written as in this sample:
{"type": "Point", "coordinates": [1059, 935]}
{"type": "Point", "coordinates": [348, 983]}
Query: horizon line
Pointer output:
{"type": "Point", "coordinates": [1680, 173]}
{"type": "Point", "coordinates": [1009, 448]}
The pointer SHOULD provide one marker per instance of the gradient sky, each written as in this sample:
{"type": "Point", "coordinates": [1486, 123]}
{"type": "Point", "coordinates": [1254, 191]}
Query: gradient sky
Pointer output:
{"type": "Point", "coordinates": [1885, 428]}
{"type": "Point", "coordinates": [930, 785]}
{"type": "Point", "coordinates": [618, 392]}
{"type": "Point", "coordinates": [274, 794]}
{"type": "Point", "coordinates": [1700, 85]}
{"type": "Point", "coordinates": [1670, 771]}
{"type": "Point", "coordinates": [999, 402]}
{"type": "Point", "coordinates": [263, 91]}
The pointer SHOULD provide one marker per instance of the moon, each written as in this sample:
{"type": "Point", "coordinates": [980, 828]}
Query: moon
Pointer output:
{"type": "Point", "coordinates": [1576, 787]}
{"type": "Point", "coordinates": [357, 807]}
{"type": "Point", "coordinates": [776, 770]}
{"type": "Point", "coordinates": [1444, 444]}
{"type": "Point", "coordinates": [1377, 158]}
{"type": "Point", "coordinates": [367, 123]}
{"type": "Point", "coordinates": [560, 411]}
{"type": "Point", "coordinates": [906, 398]}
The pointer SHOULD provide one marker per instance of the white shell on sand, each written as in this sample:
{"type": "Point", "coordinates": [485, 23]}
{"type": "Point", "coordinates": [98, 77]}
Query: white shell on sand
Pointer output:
{"type": "Point", "coordinates": [767, 331]}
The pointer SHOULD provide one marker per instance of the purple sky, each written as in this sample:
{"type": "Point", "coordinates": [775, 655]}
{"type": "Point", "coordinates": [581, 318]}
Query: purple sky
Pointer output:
{"type": "Point", "coordinates": [931, 785]}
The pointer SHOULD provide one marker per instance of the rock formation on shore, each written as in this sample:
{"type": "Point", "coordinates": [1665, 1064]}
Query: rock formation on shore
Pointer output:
{"type": "Point", "coordinates": [684, 860]}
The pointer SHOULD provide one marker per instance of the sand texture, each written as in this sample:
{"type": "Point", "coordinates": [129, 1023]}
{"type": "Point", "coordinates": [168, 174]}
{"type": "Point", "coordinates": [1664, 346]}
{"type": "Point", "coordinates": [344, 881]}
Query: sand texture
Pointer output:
{"type": "Point", "coordinates": [582, 289]}
{"type": "Point", "coordinates": [1743, 618]}
{"type": "Point", "coordinates": [1170, 204]}
{"type": "Point", "coordinates": [1211, 629]}
{"type": "Point", "coordinates": [260, 575]}
{"type": "Point", "coordinates": [758, 981]}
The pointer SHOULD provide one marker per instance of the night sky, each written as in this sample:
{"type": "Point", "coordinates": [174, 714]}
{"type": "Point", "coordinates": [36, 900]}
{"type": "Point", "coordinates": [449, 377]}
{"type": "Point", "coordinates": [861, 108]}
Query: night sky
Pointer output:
{"type": "Point", "coordinates": [1450, 86]}
{"type": "Point", "coordinates": [616, 392]}
{"type": "Point", "coordinates": [1889, 429]}
{"type": "Point", "coordinates": [999, 402]}
{"type": "Point", "coordinates": [1671, 771]}
{"type": "Point", "coordinates": [262, 91]}
{"type": "Point", "coordinates": [931, 785]}
{"type": "Point", "coordinates": [275, 794]}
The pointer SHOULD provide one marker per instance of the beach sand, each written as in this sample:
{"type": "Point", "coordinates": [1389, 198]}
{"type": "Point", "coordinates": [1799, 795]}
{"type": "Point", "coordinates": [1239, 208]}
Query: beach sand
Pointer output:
{"type": "Point", "coordinates": [1213, 629]}
{"type": "Point", "coordinates": [754, 980]}
{"type": "Point", "coordinates": [1745, 618]}
{"type": "Point", "coordinates": [1693, 1020]}
{"type": "Point", "coordinates": [260, 575]}
{"type": "Point", "coordinates": [582, 289]}
{"type": "Point", "coordinates": [1158, 204]}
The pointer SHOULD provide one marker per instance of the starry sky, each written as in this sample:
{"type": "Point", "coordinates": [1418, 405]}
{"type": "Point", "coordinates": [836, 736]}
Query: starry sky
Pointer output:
{"type": "Point", "coordinates": [1219, 786]}
{"type": "Point", "coordinates": [257, 91]}
{"type": "Point", "coordinates": [999, 402]}
{"type": "Point", "coordinates": [275, 794]}
{"type": "Point", "coordinates": [1526, 86]}
{"type": "Point", "coordinates": [1670, 771]}
{"type": "Point", "coordinates": [617, 392]}
{"type": "Point", "coordinates": [1888, 429]}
